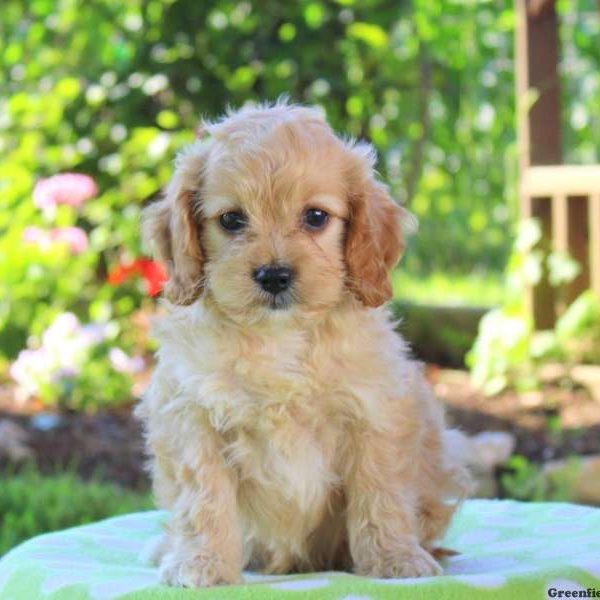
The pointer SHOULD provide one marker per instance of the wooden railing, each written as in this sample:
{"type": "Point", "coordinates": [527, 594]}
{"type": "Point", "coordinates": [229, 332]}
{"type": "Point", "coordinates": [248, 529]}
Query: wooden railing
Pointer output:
{"type": "Point", "coordinates": [566, 200]}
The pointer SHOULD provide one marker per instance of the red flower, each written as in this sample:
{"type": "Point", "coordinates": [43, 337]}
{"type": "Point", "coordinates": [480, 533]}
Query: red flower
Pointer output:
{"type": "Point", "coordinates": [152, 272]}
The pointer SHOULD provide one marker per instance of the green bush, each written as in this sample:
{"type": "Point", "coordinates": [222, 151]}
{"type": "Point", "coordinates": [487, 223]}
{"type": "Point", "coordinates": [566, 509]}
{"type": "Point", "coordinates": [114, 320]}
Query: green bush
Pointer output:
{"type": "Point", "coordinates": [113, 92]}
{"type": "Point", "coordinates": [31, 503]}
{"type": "Point", "coordinates": [527, 481]}
{"type": "Point", "coordinates": [508, 351]}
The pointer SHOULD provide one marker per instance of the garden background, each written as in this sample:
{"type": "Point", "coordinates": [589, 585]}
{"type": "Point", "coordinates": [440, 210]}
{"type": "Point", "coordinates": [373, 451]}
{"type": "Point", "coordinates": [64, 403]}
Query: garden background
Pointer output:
{"type": "Point", "coordinates": [97, 96]}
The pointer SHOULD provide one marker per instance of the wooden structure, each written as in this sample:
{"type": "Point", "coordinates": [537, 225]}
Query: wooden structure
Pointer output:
{"type": "Point", "coordinates": [565, 199]}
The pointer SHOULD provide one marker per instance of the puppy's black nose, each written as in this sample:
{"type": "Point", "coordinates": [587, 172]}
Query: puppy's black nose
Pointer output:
{"type": "Point", "coordinates": [274, 279]}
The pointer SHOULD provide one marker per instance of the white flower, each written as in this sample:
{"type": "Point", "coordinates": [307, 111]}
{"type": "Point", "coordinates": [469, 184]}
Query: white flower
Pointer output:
{"type": "Point", "coordinates": [123, 363]}
{"type": "Point", "coordinates": [65, 347]}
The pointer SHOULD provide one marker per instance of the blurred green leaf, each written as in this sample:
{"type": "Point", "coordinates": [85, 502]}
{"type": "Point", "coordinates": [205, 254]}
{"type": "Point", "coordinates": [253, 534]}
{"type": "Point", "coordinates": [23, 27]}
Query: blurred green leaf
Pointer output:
{"type": "Point", "coordinates": [371, 34]}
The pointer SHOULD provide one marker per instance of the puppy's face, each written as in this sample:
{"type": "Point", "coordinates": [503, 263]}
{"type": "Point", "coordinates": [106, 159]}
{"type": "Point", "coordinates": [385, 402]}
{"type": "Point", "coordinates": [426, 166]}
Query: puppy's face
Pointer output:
{"type": "Point", "coordinates": [275, 215]}
{"type": "Point", "coordinates": [273, 222]}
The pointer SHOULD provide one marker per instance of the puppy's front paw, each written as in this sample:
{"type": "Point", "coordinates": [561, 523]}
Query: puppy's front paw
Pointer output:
{"type": "Point", "coordinates": [409, 561]}
{"type": "Point", "coordinates": [197, 571]}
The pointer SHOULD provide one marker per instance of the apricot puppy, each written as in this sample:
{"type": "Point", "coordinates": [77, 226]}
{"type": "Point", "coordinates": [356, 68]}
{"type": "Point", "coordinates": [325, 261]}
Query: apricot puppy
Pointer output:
{"type": "Point", "coordinates": [288, 428]}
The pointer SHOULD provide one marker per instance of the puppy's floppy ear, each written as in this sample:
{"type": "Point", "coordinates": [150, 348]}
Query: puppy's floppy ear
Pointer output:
{"type": "Point", "coordinates": [172, 227]}
{"type": "Point", "coordinates": [375, 235]}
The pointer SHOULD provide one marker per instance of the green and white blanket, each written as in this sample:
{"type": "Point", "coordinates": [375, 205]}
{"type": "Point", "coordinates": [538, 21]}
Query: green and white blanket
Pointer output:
{"type": "Point", "coordinates": [507, 550]}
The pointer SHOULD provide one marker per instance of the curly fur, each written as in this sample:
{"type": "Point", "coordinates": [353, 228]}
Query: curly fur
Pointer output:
{"type": "Point", "coordinates": [296, 439]}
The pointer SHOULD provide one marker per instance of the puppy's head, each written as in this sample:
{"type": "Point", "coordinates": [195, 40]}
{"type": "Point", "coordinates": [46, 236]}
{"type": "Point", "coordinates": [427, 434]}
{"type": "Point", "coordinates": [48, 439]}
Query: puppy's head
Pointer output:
{"type": "Point", "coordinates": [273, 212]}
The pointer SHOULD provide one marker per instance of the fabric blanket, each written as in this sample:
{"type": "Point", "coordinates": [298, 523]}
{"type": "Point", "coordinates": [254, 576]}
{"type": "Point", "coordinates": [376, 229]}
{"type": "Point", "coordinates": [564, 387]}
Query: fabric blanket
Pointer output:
{"type": "Point", "coordinates": [507, 550]}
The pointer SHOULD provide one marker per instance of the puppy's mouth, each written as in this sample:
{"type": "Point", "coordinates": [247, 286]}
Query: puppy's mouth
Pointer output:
{"type": "Point", "coordinates": [281, 301]}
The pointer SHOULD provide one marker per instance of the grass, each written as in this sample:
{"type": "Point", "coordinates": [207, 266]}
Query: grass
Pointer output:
{"type": "Point", "coordinates": [31, 503]}
{"type": "Point", "coordinates": [475, 289]}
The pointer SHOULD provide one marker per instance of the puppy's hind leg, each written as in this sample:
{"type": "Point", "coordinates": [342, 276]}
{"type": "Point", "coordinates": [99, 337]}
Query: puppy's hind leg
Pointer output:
{"type": "Point", "coordinates": [382, 509]}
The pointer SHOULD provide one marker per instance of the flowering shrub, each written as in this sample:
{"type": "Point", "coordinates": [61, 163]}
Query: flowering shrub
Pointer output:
{"type": "Point", "coordinates": [60, 309]}
{"type": "Point", "coordinates": [75, 365]}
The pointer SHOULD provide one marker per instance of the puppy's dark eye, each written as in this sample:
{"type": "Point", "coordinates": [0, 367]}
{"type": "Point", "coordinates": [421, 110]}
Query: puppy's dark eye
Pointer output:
{"type": "Point", "coordinates": [233, 221]}
{"type": "Point", "coordinates": [315, 218]}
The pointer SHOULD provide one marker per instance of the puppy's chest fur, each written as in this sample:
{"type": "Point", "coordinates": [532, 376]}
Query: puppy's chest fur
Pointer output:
{"type": "Point", "coordinates": [279, 422]}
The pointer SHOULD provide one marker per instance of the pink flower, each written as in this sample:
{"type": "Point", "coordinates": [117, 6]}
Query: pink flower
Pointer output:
{"type": "Point", "coordinates": [66, 188]}
{"type": "Point", "coordinates": [74, 237]}
{"type": "Point", "coordinates": [38, 236]}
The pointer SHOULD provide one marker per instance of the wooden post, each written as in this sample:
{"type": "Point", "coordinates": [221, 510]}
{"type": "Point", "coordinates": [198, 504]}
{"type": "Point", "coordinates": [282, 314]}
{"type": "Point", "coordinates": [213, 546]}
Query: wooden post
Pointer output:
{"type": "Point", "coordinates": [579, 245]}
{"type": "Point", "coordinates": [538, 120]}
{"type": "Point", "coordinates": [594, 221]}
{"type": "Point", "coordinates": [570, 235]}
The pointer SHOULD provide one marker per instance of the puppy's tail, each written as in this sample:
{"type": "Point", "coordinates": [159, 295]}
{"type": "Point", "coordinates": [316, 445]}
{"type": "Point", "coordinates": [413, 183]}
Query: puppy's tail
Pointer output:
{"type": "Point", "coordinates": [457, 455]}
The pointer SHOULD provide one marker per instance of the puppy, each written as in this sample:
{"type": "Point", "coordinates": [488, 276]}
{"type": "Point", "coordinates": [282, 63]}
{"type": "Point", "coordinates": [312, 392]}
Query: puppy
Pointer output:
{"type": "Point", "coordinates": [288, 429]}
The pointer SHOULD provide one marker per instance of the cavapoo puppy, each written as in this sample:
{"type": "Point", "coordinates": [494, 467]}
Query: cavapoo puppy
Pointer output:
{"type": "Point", "coordinates": [288, 428]}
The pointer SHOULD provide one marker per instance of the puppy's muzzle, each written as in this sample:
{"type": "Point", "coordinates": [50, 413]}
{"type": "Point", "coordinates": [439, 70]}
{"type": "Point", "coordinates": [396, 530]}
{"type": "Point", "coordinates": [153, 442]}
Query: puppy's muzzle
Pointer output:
{"type": "Point", "coordinates": [274, 279]}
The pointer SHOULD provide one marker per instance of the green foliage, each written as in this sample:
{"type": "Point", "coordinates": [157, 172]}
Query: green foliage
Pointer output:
{"type": "Point", "coordinates": [524, 480]}
{"type": "Point", "coordinates": [98, 385]}
{"type": "Point", "coordinates": [508, 351]}
{"type": "Point", "coordinates": [114, 92]}
{"type": "Point", "coordinates": [438, 288]}
{"type": "Point", "coordinates": [580, 75]}
{"type": "Point", "coordinates": [578, 330]}
{"type": "Point", "coordinates": [31, 503]}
